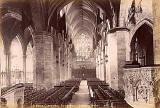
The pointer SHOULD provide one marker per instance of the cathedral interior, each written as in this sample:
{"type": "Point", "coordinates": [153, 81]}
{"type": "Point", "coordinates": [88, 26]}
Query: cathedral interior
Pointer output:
{"type": "Point", "coordinates": [98, 53]}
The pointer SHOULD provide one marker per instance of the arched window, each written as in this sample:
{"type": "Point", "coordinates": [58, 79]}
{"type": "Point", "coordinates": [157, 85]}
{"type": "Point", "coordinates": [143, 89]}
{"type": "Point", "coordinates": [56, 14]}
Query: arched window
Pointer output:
{"type": "Point", "coordinates": [16, 61]}
{"type": "Point", "coordinates": [84, 47]}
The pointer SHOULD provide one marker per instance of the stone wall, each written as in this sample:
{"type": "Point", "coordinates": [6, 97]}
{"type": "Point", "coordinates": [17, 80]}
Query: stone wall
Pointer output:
{"type": "Point", "coordinates": [156, 40]}
{"type": "Point", "coordinates": [156, 30]}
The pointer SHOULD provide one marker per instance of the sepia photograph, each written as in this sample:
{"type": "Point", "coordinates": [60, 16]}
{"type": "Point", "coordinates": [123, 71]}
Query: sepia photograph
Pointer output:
{"type": "Point", "coordinates": [80, 54]}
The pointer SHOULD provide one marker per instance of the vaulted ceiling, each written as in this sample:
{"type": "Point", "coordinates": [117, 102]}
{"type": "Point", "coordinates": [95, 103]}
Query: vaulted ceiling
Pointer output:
{"type": "Point", "coordinates": [73, 16]}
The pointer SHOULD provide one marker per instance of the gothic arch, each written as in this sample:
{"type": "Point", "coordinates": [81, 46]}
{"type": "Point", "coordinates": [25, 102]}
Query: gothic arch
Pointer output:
{"type": "Point", "coordinates": [146, 21]}
{"type": "Point", "coordinates": [1, 53]}
{"type": "Point", "coordinates": [12, 14]}
{"type": "Point", "coordinates": [141, 43]}
{"type": "Point", "coordinates": [29, 63]}
{"type": "Point", "coordinates": [16, 63]}
{"type": "Point", "coordinates": [1, 42]}
{"type": "Point", "coordinates": [31, 30]}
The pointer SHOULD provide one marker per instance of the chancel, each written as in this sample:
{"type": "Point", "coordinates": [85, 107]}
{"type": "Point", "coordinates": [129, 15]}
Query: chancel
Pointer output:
{"type": "Point", "coordinates": [90, 53]}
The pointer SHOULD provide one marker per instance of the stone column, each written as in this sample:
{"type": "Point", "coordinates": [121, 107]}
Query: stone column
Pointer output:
{"type": "Point", "coordinates": [99, 66]}
{"type": "Point", "coordinates": [62, 65]}
{"type": "Point", "coordinates": [102, 65]}
{"type": "Point", "coordinates": [105, 61]}
{"type": "Point", "coordinates": [117, 55]}
{"type": "Point", "coordinates": [8, 67]}
{"type": "Point", "coordinates": [97, 74]}
{"type": "Point", "coordinates": [55, 64]}
{"type": "Point", "coordinates": [58, 65]}
{"type": "Point", "coordinates": [156, 33]}
{"type": "Point", "coordinates": [156, 47]}
{"type": "Point", "coordinates": [69, 65]}
{"type": "Point", "coordinates": [43, 60]}
{"type": "Point", "coordinates": [24, 67]}
{"type": "Point", "coordinates": [122, 53]}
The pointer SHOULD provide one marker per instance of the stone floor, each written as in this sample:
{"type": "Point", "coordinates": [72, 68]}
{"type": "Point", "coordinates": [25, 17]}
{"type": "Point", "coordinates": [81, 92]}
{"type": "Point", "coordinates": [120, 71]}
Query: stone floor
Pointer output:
{"type": "Point", "coordinates": [82, 96]}
{"type": "Point", "coordinates": [141, 105]}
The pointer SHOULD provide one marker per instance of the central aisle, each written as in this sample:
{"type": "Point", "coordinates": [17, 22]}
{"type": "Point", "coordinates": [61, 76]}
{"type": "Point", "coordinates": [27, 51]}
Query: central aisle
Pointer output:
{"type": "Point", "coordinates": [82, 96]}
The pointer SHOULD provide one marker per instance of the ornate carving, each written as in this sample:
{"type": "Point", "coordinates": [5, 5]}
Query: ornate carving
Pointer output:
{"type": "Point", "coordinates": [156, 86]}
{"type": "Point", "coordinates": [138, 84]}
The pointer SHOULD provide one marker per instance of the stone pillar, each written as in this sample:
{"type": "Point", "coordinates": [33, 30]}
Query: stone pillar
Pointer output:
{"type": "Point", "coordinates": [69, 65]}
{"type": "Point", "coordinates": [62, 65]}
{"type": "Point", "coordinates": [118, 52]}
{"type": "Point", "coordinates": [8, 67]}
{"type": "Point", "coordinates": [43, 60]}
{"type": "Point", "coordinates": [122, 53]}
{"type": "Point", "coordinates": [58, 65]}
{"type": "Point", "coordinates": [99, 66]}
{"type": "Point", "coordinates": [24, 67]}
{"type": "Point", "coordinates": [55, 65]}
{"type": "Point", "coordinates": [156, 33]}
{"type": "Point", "coordinates": [124, 5]}
{"type": "Point", "coordinates": [102, 66]}
{"type": "Point", "coordinates": [156, 47]}
{"type": "Point", "coordinates": [112, 60]}
{"type": "Point", "coordinates": [105, 61]}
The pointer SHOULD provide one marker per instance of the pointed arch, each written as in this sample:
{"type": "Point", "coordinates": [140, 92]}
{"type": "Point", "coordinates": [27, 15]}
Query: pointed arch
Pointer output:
{"type": "Point", "coordinates": [29, 63]}
{"type": "Point", "coordinates": [146, 21]}
{"type": "Point", "coordinates": [141, 44]}
{"type": "Point", "coordinates": [16, 58]}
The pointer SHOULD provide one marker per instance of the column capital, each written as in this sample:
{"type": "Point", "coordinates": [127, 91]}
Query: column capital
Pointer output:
{"type": "Point", "coordinates": [118, 29]}
{"type": "Point", "coordinates": [42, 35]}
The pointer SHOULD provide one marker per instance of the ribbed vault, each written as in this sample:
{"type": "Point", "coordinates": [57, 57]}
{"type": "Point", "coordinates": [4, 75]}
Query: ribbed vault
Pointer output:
{"type": "Point", "coordinates": [75, 17]}
{"type": "Point", "coordinates": [81, 18]}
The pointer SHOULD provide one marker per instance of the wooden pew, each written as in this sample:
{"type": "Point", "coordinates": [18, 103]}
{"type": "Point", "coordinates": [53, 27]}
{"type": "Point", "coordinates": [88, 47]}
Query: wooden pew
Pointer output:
{"type": "Point", "coordinates": [59, 95]}
{"type": "Point", "coordinates": [105, 95]}
{"type": "Point", "coordinates": [68, 97]}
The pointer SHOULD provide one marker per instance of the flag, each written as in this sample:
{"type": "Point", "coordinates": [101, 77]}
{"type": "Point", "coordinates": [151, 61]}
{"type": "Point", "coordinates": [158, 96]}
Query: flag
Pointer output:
{"type": "Point", "coordinates": [132, 12]}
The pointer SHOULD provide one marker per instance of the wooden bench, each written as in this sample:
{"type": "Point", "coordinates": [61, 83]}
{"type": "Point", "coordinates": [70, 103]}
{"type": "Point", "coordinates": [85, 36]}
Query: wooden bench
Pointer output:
{"type": "Point", "coordinates": [68, 97]}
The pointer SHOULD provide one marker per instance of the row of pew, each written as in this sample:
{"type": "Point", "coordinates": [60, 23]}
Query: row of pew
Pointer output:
{"type": "Point", "coordinates": [103, 95]}
{"type": "Point", "coordinates": [58, 95]}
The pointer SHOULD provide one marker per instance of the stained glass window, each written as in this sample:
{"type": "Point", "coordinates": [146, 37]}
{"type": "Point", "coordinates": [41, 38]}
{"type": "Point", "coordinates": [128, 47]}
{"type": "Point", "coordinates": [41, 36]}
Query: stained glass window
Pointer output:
{"type": "Point", "coordinates": [83, 47]}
